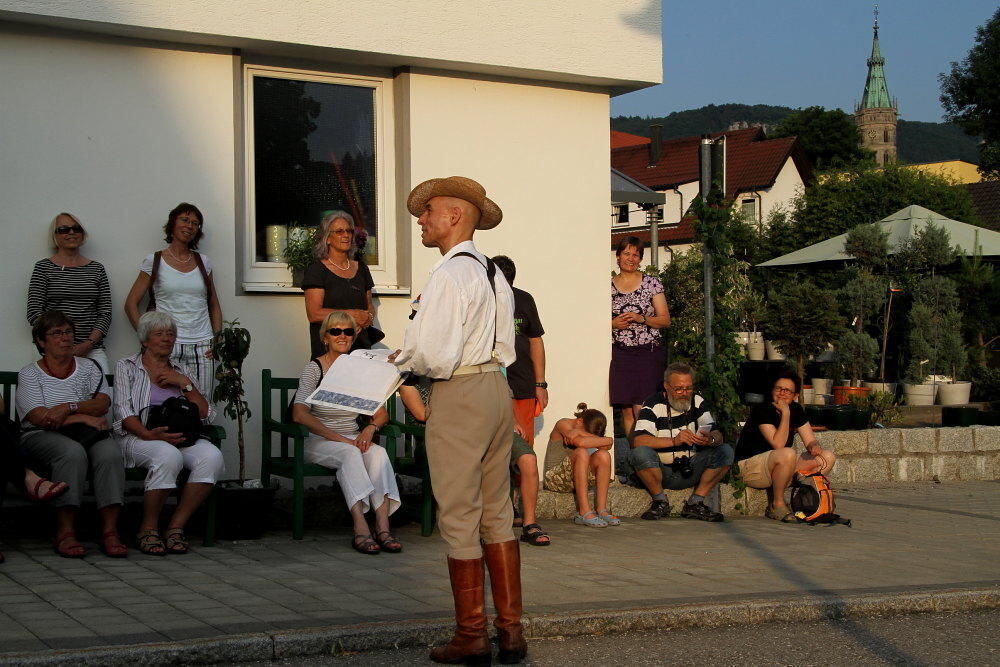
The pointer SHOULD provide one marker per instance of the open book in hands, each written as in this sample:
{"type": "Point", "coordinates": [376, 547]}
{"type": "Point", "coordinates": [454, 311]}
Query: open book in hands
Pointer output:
{"type": "Point", "coordinates": [361, 382]}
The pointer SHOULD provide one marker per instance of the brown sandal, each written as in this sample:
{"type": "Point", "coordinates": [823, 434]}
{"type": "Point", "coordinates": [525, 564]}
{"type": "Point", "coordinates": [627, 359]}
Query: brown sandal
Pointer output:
{"type": "Point", "coordinates": [366, 545]}
{"type": "Point", "coordinates": [115, 548]}
{"type": "Point", "coordinates": [176, 541]}
{"type": "Point", "coordinates": [389, 542]}
{"type": "Point", "coordinates": [71, 550]}
{"type": "Point", "coordinates": [149, 541]}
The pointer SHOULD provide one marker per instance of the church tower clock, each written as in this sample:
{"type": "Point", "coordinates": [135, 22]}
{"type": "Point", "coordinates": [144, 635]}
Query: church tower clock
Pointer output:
{"type": "Point", "coordinates": [876, 115]}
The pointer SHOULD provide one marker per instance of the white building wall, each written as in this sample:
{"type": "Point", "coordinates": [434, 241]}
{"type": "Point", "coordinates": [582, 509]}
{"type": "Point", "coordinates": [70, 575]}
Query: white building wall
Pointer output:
{"type": "Point", "coordinates": [556, 40]}
{"type": "Point", "coordinates": [786, 186]}
{"type": "Point", "coordinates": [118, 133]}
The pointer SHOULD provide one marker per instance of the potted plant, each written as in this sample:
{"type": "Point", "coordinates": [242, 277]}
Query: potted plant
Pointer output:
{"type": "Point", "coordinates": [242, 503]}
{"type": "Point", "coordinates": [802, 332]}
{"type": "Point", "coordinates": [856, 356]}
{"type": "Point", "coordinates": [299, 251]}
{"type": "Point", "coordinates": [935, 343]}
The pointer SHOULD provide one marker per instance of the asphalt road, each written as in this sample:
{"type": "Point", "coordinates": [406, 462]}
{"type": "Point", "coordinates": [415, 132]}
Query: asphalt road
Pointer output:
{"type": "Point", "coordinates": [920, 639]}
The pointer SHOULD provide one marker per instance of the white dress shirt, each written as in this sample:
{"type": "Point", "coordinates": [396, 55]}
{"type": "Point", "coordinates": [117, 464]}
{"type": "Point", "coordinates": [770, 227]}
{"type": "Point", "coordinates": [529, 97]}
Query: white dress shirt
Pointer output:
{"type": "Point", "coordinates": [456, 314]}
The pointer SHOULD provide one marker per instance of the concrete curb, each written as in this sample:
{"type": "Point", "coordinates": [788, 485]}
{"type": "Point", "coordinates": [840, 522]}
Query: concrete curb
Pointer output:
{"type": "Point", "coordinates": [284, 644]}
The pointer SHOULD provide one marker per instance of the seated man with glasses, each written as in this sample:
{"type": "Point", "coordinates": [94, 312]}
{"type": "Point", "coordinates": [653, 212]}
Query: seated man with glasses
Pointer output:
{"type": "Point", "coordinates": [765, 454]}
{"type": "Point", "coordinates": [676, 445]}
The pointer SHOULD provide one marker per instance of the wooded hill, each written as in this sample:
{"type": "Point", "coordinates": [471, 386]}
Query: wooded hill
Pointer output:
{"type": "Point", "coordinates": [917, 141]}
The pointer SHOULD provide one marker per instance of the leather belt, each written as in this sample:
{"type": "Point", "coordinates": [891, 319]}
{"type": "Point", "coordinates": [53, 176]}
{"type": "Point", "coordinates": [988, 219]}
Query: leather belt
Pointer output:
{"type": "Point", "coordinates": [478, 368]}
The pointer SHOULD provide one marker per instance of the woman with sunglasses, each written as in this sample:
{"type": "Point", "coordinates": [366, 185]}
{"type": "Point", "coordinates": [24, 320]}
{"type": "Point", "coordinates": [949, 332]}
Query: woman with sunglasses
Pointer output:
{"type": "Point", "coordinates": [338, 280]}
{"type": "Point", "coordinates": [363, 469]}
{"type": "Point", "coordinates": [75, 285]}
{"type": "Point", "coordinates": [765, 453]}
{"type": "Point", "coordinates": [179, 281]}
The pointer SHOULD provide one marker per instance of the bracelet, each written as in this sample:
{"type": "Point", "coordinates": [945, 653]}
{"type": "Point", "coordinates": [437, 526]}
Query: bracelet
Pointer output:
{"type": "Point", "coordinates": [542, 385]}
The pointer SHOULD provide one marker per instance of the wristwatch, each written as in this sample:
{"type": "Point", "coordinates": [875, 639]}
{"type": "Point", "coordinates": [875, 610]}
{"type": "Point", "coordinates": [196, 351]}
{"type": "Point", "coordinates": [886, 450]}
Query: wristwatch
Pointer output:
{"type": "Point", "coordinates": [73, 407]}
{"type": "Point", "coordinates": [542, 385]}
{"type": "Point", "coordinates": [188, 387]}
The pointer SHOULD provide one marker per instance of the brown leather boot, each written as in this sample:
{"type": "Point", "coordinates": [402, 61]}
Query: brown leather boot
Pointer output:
{"type": "Point", "coordinates": [504, 562]}
{"type": "Point", "coordinates": [470, 645]}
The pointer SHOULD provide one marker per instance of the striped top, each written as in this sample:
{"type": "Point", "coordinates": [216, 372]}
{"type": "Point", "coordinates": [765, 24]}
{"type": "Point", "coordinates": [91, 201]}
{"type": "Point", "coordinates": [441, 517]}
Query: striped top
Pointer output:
{"type": "Point", "coordinates": [38, 389]}
{"type": "Point", "coordinates": [659, 420]}
{"type": "Point", "coordinates": [81, 292]}
{"type": "Point", "coordinates": [342, 422]}
{"type": "Point", "coordinates": [132, 397]}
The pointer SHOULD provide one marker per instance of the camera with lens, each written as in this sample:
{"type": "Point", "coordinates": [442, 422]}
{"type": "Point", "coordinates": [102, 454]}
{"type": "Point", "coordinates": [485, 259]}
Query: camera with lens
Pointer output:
{"type": "Point", "coordinates": [682, 466]}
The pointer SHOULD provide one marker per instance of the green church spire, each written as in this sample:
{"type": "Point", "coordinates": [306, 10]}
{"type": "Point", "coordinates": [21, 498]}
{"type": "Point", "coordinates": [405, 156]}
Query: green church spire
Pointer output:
{"type": "Point", "coordinates": [876, 95]}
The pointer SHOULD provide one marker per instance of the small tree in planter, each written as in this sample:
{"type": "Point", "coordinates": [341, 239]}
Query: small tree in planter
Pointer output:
{"type": "Point", "coordinates": [868, 291]}
{"type": "Point", "coordinates": [230, 347]}
{"type": "Point", "coordinates": [856, 357]}
{"type": "Point", "coordinates": [935, 337]}
{"type": "Point", "coordinates": [803, 319]}
{"type": "Point", "coordinates": [299, 253]}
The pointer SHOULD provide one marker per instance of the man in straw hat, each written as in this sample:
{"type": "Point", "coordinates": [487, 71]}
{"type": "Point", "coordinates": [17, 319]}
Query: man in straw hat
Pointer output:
{"type": "Point", "coordinates": [461, 334]}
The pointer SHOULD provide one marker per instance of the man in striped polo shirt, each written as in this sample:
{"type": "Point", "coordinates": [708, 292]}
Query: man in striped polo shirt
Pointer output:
{"type": "Point", "coordinates": [676, 445]}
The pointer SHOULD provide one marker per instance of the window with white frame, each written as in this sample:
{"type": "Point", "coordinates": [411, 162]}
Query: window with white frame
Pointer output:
{"type": "Point", "coordinates": [749, 209]}
{"type": "Point", "coordinates": [619, 214]}
{"type": "Point", "coordinates": [313, 145]}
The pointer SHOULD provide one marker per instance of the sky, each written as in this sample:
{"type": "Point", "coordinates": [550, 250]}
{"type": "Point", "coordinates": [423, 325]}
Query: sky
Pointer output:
{"type": "Point", "coordinates": [800, 53]}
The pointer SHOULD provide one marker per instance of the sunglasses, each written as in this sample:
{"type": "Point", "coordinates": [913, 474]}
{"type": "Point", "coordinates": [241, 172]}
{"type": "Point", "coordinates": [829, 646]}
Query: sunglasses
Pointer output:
{"type": "Point", "coordinates": [65, 229]}
{"type": "Point", "coordinates": [337, 331]}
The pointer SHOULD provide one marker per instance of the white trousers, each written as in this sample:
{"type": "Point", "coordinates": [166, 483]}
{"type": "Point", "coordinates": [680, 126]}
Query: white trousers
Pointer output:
{"type": "Point", "coordinates": [367, 477]}
{"type": "Point", "coordinates": [163, 462]}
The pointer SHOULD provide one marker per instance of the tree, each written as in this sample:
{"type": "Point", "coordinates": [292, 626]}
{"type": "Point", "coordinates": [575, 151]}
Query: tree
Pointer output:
{"type": "Point", "coordinates": [829, 138]}
{"type": "Point", "coordinates": [970, 94]}
{"type": "Point", "coordinates": [865, 194]}
{"type": "Point", "coordinates": [802, 319]}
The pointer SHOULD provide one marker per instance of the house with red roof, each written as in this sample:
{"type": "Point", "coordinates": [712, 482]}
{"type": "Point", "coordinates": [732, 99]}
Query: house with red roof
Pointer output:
{"type": "Point", "coordinates": [760, 175]}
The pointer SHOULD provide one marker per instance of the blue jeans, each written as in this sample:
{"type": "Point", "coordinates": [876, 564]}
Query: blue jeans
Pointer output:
{"type": "Point", "coordinates": [703, 458]}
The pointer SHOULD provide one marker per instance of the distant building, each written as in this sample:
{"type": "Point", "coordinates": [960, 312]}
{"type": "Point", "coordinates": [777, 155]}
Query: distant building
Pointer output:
{"type": "Point", "coordinates": [986, 201]}
{"type": "Point", "coordinates": [958, 170]}
{"type": "Point", "coordinates": [876, 114]}
{"type": "Point", "coordinates": [759, 175]}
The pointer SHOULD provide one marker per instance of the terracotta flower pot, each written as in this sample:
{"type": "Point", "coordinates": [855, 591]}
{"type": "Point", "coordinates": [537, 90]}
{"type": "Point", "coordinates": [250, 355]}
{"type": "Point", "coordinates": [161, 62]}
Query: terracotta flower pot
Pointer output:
{"type": "Point", "coordinates": [841, 395]}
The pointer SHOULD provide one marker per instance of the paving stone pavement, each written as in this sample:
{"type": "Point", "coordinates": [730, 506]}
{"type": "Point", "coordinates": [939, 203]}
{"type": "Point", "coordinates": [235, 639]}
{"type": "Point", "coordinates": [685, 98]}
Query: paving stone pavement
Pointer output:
{"type": "Point", "coordinates": [905, 537]}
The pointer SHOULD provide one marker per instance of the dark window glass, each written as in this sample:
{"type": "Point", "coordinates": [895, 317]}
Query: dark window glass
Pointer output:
{"type": "Point", "coordinates": [314, 151]}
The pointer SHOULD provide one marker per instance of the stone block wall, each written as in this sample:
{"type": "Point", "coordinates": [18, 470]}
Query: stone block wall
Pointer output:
{"type": "Point", "coordinates": [914, 454]}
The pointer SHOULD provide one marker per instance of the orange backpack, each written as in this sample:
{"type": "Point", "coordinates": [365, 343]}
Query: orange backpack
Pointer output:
{"type": "Point", "coordinates": [813, 501]}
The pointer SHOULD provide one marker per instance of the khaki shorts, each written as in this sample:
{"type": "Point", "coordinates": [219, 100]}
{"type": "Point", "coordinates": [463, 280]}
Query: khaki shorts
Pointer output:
{"type": "Point", "coordinates": [756, 470]}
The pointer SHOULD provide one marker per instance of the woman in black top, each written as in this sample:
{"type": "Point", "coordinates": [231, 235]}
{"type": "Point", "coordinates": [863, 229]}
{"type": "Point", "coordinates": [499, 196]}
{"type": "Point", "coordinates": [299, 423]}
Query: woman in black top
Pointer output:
{"type": "Point", "coordinates": [765, 451]}
{"type": "Point", "coordinates": [338, 280]}
{"type": "Point", "coordinates": [75, 285]}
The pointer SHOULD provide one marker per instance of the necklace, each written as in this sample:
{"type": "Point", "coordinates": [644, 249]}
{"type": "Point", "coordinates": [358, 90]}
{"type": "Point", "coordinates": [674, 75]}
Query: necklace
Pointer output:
{"type": "Point", "coordinates": [178, 259]}
{"type": "Point", "coordinates": [342, 268]}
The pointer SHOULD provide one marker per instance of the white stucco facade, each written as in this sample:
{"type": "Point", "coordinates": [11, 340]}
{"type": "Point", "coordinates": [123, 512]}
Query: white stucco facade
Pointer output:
{"type": "Point", "coordinates": [118, 129]}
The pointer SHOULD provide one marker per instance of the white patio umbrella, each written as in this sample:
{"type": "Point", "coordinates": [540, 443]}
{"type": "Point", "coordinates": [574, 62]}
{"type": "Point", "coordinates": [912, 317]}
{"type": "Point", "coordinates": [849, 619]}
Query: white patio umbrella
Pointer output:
{"type": "Point", "coordinates": [901, 225]}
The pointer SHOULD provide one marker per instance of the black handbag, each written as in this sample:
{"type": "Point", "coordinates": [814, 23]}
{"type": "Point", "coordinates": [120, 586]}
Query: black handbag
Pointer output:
{"type": "Point", "coordinates": [179, 415]}
{"type": "Point", "coordinates": [85, 435]}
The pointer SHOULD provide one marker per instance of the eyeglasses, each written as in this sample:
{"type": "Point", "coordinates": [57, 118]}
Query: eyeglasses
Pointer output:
{"type": "Point", "coordinates": [784, 391]}
{"type": "Point", "coordinates": [59, 333]}
{"type": "Point", "coordinates": [342, 231]}
{"type": "Point", "coordinates": [681, 390]}
{"type": "Point", "coordinates": [66, 229]}
{"type": "Point", "coordinates": [337, 331]}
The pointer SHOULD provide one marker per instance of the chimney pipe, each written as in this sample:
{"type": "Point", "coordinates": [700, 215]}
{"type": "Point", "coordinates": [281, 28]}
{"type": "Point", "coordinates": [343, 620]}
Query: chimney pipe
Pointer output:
{"type": "Point", "coordinates": [655, 143]}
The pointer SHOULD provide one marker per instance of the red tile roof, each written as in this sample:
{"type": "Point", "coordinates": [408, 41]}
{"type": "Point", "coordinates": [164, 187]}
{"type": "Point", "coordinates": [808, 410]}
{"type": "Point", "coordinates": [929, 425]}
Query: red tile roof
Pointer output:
{"type": "Point", "coordinates": [622, 139]}
{"type": "Point", "coordinates": [986, 200]}
{"type": "Point", "coordinates": [682, 232]}
{"type": "Point", "coordinates": [753, 161]}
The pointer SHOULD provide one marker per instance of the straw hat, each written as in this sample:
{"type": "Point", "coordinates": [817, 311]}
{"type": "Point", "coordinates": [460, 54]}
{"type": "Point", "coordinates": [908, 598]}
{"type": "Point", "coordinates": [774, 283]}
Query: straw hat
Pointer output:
{"type": "Point", "coordinates": [460, 188]}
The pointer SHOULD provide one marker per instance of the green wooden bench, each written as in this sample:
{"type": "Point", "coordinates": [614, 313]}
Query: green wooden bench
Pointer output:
{"type": "Point", "coordinates": [404, 445]}
{"type": "Point", "coordinates": [213, 432]}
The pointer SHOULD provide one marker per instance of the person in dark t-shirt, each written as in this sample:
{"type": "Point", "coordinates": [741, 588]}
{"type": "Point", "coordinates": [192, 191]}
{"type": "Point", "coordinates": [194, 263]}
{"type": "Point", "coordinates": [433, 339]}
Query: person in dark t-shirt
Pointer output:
{"type": "Point", "coordinates": [765, 451]}
{"type": "Point", "coordinates": [526, 377]}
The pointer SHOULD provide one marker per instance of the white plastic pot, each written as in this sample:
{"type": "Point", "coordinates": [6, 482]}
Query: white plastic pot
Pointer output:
{"type": "Point", "coordinates": [920, 394]}
{"type": "Point", "coordinates": [821, 385]}
{"type": "Point", "coordinates": [773, 353]}
{"type": "Point", "coordinates": [755, 351]}
{"type": "Point", "coordinates": [954, 393]}
{"type": "Point", "coordinates": [888, 387]}
{"type": "Point", "coordinates": [808, 395]}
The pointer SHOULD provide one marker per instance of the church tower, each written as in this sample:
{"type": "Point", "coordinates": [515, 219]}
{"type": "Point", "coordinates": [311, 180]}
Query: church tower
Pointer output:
{"type": "Point", "coordinates": [876, 115]}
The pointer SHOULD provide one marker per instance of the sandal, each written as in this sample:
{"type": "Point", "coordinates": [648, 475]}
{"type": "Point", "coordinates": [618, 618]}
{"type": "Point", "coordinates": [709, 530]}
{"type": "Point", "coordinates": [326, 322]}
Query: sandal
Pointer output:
{"type": "Point", "coordinates": [176, 542]}
{"type": "Point", "coordinates": [366, 545]}
{"type": "Point", "coordinates": [533, 535]}
{"type": "Point", "coordinates": [150, 543]}
{"type": "Point", "coordinates": [388, 543]}
{"type": "Point", "coordinates": [112, 549]}
{"type": "Point", "coordinates": [67, 546]}
{"type": "Point", "coordinates": [55, 490]}
{"type": "Point", "coordinates": [590, 519]}
{"type": "Point", "coordinates": [787, 517]}
{"type": "Point", "coordinates": [609, 517]}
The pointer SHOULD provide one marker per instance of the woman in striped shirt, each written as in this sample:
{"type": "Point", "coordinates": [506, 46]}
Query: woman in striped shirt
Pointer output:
{"type": "Point", "coordinates": [75, 285]}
